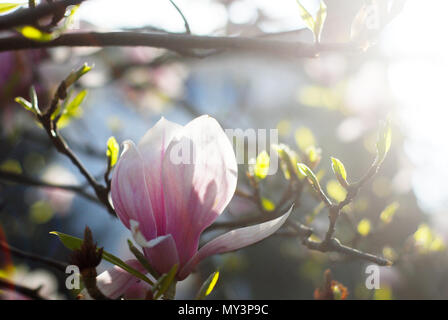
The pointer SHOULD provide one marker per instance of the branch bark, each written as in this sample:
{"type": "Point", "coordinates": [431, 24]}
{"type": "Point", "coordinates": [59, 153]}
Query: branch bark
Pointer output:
{"type": "Point", "coordinates": [50, 126]}
{"type": "Point", "coordinates": [333, 245]}
{"type": "Point", "coordinates": [176, 42]}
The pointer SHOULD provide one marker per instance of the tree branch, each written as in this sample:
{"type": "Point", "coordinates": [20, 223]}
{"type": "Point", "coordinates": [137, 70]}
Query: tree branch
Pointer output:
{"type": "Point", "coordinates": [177, 42]}
{"type": "Point", "coordinates": [296, 229]}
{"type": "Point", "coordinates": [50, 126]}
{"type": "Point", "coordinates": [25, 180]}
{"type": "Point", "coordinates": [333, 245]}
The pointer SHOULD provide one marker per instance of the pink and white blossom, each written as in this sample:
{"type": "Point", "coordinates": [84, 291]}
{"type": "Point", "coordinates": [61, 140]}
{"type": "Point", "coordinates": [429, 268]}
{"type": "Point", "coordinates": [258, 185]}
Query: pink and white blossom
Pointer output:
{"type": "Point", "coordinates": [168, 203]}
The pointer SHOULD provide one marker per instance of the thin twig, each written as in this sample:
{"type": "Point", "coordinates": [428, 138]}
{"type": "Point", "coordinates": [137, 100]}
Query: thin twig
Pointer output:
{"type": "Point", "coordinates": [63, 148]}
{"type": "Point", "coordinates": [187, 26]}
{"type": "Point", "coordinates": [25, 180]}
{"type": "Point", "coordinates": [352, 191]}
{"type": "Point", "coordinates": [42, 140]}
{"type": "Point", "coordinates": [61, 266]}
{"type": "Point", "coordinates": [50, 126]}
{"type": "Point", "coordinates": [333, 245]}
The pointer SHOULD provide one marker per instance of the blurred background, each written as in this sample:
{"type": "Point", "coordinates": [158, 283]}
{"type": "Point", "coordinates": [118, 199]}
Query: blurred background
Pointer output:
{"type": "Point", "coordinates": [334, 102]}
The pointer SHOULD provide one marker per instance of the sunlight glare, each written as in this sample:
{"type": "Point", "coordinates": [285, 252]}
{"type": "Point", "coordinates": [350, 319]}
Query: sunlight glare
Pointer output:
{"type": "Point", "coordinates": [415, 43]}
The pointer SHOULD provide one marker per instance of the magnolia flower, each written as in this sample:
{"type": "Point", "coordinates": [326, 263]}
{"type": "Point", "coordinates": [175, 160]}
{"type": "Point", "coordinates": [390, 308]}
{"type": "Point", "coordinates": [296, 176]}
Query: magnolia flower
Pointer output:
{"type": "Point", "coordinates": [173, 185]}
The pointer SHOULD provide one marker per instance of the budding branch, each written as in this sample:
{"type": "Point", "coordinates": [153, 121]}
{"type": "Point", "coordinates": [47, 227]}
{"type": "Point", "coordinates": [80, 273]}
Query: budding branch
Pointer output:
{"type": "Point", "coordinates": [293, 192]}
{"type": "Point", "coordinates": [183, 43]}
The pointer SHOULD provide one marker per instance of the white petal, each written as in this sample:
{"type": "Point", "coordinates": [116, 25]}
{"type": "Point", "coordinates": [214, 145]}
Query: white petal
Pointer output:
{"type": "Point", "coordinates": [199, 181]}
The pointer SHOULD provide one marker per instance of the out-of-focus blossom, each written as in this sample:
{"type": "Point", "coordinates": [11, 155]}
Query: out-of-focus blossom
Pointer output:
{"type": "Point", "coordinates": [167, 203]}
{"type": "Point", "coordinates": [16, 73]}
{"type": "Point", "coordinates": [154, 88]}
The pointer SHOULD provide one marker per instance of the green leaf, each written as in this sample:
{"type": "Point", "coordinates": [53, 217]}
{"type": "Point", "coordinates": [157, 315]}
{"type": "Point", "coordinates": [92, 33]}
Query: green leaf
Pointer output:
{"type": "Point", "coordinates": [320, 20]}
{"type": "Point", "coordinates": [35, 34]}
{"type": "Point", "coordinates": [306, 17]}
{"type": "Point", "coordinates": [5, 7]}
{"type": "Point", "coordinates": [75, 75]}
{"type": "Point", "coordinates": [208, 286]}
{"type": "Point", "coordinates": [24, 103]}
{"type": "Point", "coordinates": [112, 152]}
{"type": "Point", "coordinates": [384, 141]}
{"type": "Point", "coordinates": [68, 20]}
{"type": "Point", "coordinates": [261, 167]}
{"type": "Point", "coordinates": [31, 105]}
{"type": "Point", "coordinates": [73, 106]}
{"type": "Point", "coordinates": [314, 24]}
{"type": "Point", "coordinates": [288, 160]}
{"type": "Point", "coordinates": [34, 101]}
{"type": "Point", "coordinates": [303, 168]}
{"type": "Point", "coordinates": [73, 243]}
{"type": "Point", "coordinates": [388, 213]}
{"type": "Point", "coordinates": [142, 259]}
{"type": "Point", "coordinates": [72, 109]}
{"type": "Point", "coordinates": [165, 282]}
{"type": "Point", "coordinates": [267, 204]}
{"type": "Point", "coordinates": [339, 171]}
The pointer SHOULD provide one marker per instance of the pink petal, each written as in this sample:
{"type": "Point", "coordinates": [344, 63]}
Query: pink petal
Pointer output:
{"type": "Point", "coordinates": [152, 148]}
{"type": "Point", "coordinates": [234, 240]}
{"type": "Point", "coordinates": [162, 253]}
{"type": "Point", "coordinates": [129, 191]}
{"type": "Point", "coordinates": [137, 290]}
{"type": "Point", "coordinates": [196, 192]}
{"type": "Point", "coordinates": [114, 282]}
